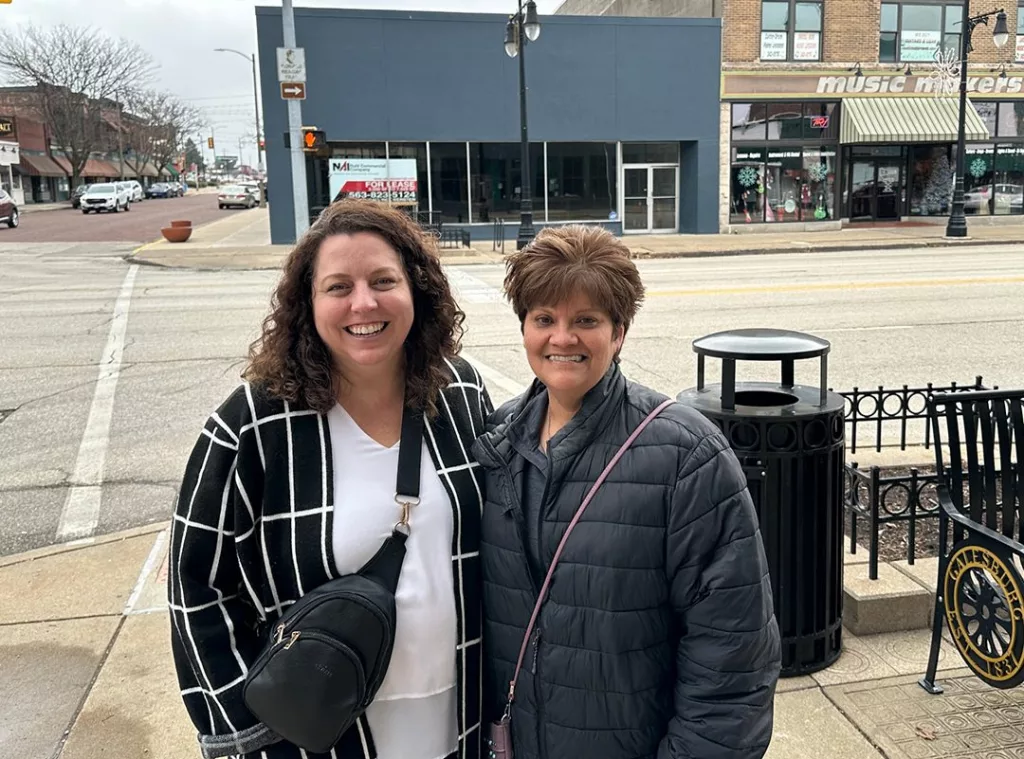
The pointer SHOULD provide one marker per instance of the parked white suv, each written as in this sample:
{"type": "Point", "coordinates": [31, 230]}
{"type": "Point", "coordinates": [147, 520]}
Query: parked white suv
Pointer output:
{"type": "Point", "coordinates": [107, 196]}
{"type": "Point", "coordinates": [135, 191]}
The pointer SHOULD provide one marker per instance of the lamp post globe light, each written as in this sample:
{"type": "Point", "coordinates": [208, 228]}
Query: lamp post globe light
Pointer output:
{"type": "Point", "coordinates": [957, 224]}
{"type": "Point", "coordinates": [523, 27]}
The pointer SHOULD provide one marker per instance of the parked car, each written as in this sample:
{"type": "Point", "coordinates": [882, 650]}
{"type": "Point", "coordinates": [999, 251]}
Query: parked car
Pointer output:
{"type": "Point", "coordinates": [8, 210]}
{"type": "Point", "coordinates": [236, 195]}
{"type": "Point", "coordinates": [107, 196]}
{"type": "Point", "coordinates": [160, 190]}
{"type": "Point", "coordinates": [136, 191]}
{"type": "Point", "coordinates": [76, 196]}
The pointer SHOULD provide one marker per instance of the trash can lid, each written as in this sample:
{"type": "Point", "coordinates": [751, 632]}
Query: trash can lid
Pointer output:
{"type": "Point", "coordinates": [761, 344]}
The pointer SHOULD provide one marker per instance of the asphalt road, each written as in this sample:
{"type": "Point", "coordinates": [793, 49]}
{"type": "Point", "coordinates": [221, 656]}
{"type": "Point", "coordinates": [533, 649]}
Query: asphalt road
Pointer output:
{"type": "Point", "coordinates": [107, 371]}
{"type": "Point", "coordinates": [139, 225]}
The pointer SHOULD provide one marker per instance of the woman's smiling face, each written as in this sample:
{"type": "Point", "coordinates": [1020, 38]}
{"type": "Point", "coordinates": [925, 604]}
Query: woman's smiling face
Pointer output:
{"type": "Point", "coordinates": [570, 345]}
{"type": "Point", "coordinates": [362, 304]}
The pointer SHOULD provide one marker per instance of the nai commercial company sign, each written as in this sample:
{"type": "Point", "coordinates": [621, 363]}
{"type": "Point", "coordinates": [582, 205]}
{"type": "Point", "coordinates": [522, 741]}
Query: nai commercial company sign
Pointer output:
{"type": "Point", "coordinates": [774, 84]}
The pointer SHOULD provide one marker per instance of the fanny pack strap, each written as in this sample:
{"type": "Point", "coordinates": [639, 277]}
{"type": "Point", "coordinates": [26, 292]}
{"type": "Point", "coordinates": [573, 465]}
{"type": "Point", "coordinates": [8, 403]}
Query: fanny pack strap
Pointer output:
{"type": "Point", "coordinates": [558, 552]}
{"type": "Point", "coordinates": [386, 564]}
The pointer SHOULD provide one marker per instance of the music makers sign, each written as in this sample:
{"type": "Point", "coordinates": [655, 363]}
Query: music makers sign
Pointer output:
{"type": "Point", "coordinates": [381, 179]}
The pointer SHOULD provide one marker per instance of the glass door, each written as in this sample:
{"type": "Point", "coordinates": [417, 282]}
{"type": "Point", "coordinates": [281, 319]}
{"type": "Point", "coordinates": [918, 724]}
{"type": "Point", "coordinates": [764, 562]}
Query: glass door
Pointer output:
{"type": "Point", "coordinates": [636, 199]}
{"type": "Point", "coordinates": [649, 201]}
{"type": "Point", "coordinates": [876, 190]}
{"type": "Point", "coordinates": [887, 190]}
{"type": "Point", "coordinates": [663, 199]}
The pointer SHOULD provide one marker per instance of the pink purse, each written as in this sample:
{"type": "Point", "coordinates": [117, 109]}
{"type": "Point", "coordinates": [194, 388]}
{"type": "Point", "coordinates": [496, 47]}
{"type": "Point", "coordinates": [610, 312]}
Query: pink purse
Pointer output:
{"type": "Point", "coordinates": [499, 738]}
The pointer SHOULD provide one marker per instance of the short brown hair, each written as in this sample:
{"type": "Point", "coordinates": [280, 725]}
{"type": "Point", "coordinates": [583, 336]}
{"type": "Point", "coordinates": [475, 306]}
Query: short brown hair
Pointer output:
{"type": "Point", "coordinates": [563, 261]}
{"type": "Point", "coordinates": [291, 360]}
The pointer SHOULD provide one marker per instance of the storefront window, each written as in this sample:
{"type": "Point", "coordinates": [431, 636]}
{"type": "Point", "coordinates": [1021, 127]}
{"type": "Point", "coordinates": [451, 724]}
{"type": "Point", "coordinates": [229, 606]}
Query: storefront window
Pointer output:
{"type": "Point", "coordinates": [917, 31]}
{"type": "Point", "coordinates": [987, 111]}
{"type": "Point", "coordinates": [818, 191]}
{"type": "Point", "coordinates": [449, 176]}
{"type": "Point", "coordinates": [358, 150]}
{"type": "Point", "coordinates": [979, 164]}
{"type": "Point", "coordinates": [784, 183]}
{"type": "Point", "coordinates": [1009, 180]}
{"type": "Point", "coordinates": [496, 180]}
{"type": "Point", "coordinates": [650, 152]}
{"type": "Point", "coordinates": [581, 180]}
{"type": "Point", "coordinates": [1011, 119]}
{"type": "Point", "coordinates": [748, 122]}
{"type": "Point", "coordinates": [785, 121]}
{"type": "Point", "coordinates": [747, 182]}
{"type": "Point", "coordinates": [416, 151]}
{"type": "Point", "coordinates": [931, 180]}
{"type": "Point", "coordinates": [820, 121]}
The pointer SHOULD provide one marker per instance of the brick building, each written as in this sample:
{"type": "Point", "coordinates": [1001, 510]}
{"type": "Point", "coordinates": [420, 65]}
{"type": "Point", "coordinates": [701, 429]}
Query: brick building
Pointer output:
{"type": "Point", "coordinates": [841, 111]}
{"type": "Point", "coordinates": [42, 173]}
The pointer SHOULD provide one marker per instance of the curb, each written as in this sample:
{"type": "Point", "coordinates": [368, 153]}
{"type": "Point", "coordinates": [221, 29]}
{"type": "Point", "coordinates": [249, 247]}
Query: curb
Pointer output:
{"type": "Point", "coordinates": [836, 248]}
{"type": "Point", "coordinates": [457, 259]}
{"type": "Point", "coordinates": [78, 545]}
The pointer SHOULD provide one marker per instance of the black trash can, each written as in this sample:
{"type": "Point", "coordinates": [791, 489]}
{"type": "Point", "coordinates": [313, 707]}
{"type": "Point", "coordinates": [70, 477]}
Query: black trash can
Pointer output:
{"type": "Point", "coordinates": [790, 440]}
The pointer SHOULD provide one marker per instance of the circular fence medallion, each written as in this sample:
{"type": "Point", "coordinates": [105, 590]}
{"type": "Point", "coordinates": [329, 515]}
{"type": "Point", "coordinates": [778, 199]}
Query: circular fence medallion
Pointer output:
{"type": "Point", "coordinates": [985, 614]}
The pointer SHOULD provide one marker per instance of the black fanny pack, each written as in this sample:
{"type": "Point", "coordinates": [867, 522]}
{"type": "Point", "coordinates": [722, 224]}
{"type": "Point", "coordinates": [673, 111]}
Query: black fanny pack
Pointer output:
{"type": "Point", "coordinates": [328, 654]}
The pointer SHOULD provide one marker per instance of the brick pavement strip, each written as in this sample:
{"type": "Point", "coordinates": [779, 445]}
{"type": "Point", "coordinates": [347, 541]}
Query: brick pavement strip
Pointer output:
{"type": "Point", "coordinates": [969, 721]}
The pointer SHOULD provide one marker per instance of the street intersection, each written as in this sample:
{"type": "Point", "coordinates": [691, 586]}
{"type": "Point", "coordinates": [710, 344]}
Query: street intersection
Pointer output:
{"type": "Point", "coordinates": [108, 368]}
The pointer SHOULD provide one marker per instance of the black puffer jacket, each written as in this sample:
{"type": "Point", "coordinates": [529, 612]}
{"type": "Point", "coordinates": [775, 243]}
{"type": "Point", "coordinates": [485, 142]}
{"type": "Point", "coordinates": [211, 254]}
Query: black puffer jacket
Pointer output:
{"type": "Point", "coordinates": [658, 637]}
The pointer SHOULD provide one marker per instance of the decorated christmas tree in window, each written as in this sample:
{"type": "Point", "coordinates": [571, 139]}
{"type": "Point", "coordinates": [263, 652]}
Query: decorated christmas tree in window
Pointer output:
{"type": "Point", "coordinates": [939, 188]}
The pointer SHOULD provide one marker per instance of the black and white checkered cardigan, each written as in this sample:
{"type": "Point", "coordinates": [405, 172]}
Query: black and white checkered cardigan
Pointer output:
{"type": "Point", "coordinates": [252, 533]}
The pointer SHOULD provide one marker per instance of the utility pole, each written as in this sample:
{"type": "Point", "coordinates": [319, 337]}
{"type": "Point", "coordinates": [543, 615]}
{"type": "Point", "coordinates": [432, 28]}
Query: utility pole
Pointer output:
{"type": "Point", "coordinates": [120, 138]}
{"type": "Point", "coordinates": [300, 198]}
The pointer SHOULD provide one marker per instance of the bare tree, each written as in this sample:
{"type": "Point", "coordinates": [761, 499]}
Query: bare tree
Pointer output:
{"type": "Point", "coordinates": [74, 74]}
{"type": "Point", "coordinates": [176, 120]}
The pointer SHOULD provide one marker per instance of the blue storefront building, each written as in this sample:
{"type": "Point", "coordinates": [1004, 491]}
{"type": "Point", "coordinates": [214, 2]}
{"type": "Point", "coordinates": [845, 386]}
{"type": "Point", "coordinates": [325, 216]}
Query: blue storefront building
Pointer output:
{"type": "Point", "coordinates": [623, 118]}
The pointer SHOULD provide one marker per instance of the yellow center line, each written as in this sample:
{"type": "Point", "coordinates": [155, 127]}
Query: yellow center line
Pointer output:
{"type": "Point", "coordinates": [811, 286]}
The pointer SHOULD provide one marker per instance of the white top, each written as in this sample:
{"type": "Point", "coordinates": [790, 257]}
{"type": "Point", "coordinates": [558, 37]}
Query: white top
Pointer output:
{"type": "Point", "coordinates": [413, 715]}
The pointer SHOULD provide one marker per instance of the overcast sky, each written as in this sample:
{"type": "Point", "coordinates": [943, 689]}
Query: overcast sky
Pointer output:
{"type": "Point", "coordinates": [181, 36]}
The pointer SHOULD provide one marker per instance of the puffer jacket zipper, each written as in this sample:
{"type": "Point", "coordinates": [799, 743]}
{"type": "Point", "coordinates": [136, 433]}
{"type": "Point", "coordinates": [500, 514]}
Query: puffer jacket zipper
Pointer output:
{"type": "Point", "coordinates": [512, 498]}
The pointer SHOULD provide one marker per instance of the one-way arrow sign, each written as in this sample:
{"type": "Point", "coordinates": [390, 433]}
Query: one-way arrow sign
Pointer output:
{"type": "Point", "coordinates": [293, 90]}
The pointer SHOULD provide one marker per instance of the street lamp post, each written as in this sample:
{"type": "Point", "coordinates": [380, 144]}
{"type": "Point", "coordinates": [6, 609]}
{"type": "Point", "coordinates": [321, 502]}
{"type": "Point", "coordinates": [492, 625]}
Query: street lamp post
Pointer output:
{"type": "Point", "coordinates": [256, 103]}
{"type": "Point", "coordinates": [957, 224]}
{"type": "Point", "coordinates": [523, 27]}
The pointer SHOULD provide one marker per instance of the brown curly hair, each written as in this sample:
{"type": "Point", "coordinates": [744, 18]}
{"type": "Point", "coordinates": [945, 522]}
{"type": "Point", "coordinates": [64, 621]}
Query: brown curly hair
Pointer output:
{"type": "Point", "coordinates": [291, 362]}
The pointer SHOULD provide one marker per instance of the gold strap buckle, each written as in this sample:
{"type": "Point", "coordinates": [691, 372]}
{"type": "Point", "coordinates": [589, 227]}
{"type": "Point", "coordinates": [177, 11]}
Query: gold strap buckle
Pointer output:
{"type": "Point", "coordinates": [406, 503]}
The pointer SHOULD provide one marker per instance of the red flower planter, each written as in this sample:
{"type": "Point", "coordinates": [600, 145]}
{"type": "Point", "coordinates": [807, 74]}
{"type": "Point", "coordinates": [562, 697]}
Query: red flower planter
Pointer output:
{"type": "Point", "coordinates": [176, 234]}
{"type": "Point", "coordinates": [181, 223]}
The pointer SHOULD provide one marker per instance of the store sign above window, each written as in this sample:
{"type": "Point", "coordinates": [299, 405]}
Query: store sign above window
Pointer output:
{"type": "Point", "coordinates": [774, 84]}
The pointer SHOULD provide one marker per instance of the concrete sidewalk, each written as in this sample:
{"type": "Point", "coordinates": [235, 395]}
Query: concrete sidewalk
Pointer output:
{"type": "Point", "coordinates": [40, 207]}
{"type": "Point", "coordinates": [242, 241]}
{"type": "Point", "coordinates": [86, 673]}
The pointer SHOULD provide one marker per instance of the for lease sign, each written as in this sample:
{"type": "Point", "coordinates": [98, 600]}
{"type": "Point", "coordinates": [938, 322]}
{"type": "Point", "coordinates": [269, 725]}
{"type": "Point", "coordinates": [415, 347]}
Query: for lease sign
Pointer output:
{"type": "Point", "coordinates": [381, 179]}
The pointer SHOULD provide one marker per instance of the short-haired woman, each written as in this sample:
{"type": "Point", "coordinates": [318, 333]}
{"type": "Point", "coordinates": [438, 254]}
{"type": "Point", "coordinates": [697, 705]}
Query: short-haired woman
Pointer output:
{"type": "Point", "coordinates": [657, 637]}
{"type": "Point", "coordinates": [292, 484]}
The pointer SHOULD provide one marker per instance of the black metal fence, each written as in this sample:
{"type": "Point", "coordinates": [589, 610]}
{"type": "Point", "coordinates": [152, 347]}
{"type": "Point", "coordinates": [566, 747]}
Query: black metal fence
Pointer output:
{"type": "Point", "coordinates": [882, 419]}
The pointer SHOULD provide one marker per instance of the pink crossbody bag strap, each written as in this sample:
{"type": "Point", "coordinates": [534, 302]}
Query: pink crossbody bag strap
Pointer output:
{"type": "Point", "coordinates": [554, 561]}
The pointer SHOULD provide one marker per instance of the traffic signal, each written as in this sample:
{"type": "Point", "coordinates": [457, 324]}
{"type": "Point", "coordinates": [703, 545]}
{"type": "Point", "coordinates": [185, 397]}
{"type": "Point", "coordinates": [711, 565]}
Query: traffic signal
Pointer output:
{"type": "Point", "coordinates": [209, 143]}
{"type": "Point", "coordinates": [313, 139]}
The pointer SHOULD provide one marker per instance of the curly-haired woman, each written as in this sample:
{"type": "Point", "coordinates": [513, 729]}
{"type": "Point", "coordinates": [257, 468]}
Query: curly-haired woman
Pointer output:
{"type": "Point", "coordinates": [292, 484]}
